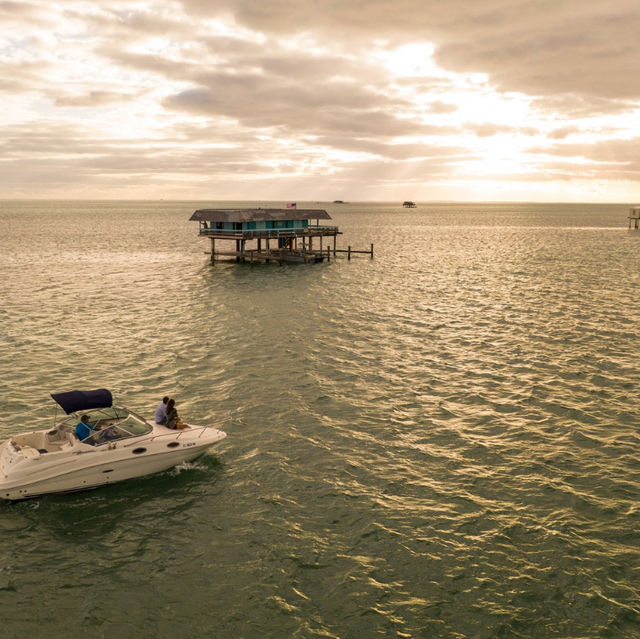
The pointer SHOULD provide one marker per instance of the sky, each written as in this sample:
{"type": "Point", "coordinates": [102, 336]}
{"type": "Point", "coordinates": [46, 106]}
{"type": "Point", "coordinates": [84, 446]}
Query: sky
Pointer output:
{"type": "Point", "coordinates": [359, 100]}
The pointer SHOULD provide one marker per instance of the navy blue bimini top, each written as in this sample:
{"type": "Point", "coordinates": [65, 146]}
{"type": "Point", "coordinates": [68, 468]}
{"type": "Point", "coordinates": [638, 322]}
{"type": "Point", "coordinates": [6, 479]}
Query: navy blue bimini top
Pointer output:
{"type": "Point", "coordinates": [76, 400]}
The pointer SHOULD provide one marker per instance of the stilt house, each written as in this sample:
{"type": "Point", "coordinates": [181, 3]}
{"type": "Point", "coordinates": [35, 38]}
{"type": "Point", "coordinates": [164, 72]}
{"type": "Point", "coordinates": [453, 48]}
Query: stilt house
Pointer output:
{"type": "Point", "coordinates": [283, 235]}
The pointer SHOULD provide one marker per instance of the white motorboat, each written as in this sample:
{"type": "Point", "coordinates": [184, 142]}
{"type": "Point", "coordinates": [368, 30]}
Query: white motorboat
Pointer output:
{"type": "Point", "coordinates": [122, 446]}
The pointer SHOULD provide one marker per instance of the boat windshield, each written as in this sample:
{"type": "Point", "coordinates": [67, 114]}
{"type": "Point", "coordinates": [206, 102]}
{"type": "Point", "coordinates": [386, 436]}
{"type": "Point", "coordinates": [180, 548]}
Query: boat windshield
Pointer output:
{"type": "Point", "coordinates": [111, 424]}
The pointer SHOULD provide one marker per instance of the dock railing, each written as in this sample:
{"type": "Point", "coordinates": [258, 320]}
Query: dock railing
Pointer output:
{"type": "Point", "coordinates": [247, 234]}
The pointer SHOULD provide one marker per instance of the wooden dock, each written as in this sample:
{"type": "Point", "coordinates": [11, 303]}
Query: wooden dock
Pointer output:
{"type": "Point", "coordinates": [285, 255]}
{"type": "Point", "coordinates": [280, 256]}
{"type": "Point", "coordinates": [349, 251]}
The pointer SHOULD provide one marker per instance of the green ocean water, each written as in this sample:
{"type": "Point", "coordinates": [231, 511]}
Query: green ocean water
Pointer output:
{"type": "Point", "coordinates": [439, 442]}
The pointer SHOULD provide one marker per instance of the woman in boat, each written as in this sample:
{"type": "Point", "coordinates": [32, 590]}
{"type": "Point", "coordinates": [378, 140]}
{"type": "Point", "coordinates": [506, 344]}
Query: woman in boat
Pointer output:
{"type": "Point", "coordinates": [172, 419]}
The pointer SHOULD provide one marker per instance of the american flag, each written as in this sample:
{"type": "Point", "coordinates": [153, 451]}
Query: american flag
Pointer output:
{"type": "Point", "coordinates": [292, 205]}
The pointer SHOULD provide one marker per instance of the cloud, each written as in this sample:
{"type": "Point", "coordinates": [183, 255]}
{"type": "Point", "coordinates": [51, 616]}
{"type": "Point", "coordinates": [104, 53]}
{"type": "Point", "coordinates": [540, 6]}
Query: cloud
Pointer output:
{"type": "Point", "coordinates": [562, 132]}
{"type": "Point", "coordinates": [92, 99]}
{"type": "Point", "coordinates": [540, 48]}
{"type": "Point", "coordinates": [489, 129]}
{"type": "Point", "coordinates": [610, 160]}
{"type": "Point", "coordinates": [437, 106]}
{"type": "Point", "coordinates": [572, 106]}
{"type": "Point", "coordinates": [15, 12]}
{"type": "Point", "coordinates": [194, 93]}
{"type": "Point", "coordinates": [20, 76]}
{"type": "Point", "coordinates": [311, 112]}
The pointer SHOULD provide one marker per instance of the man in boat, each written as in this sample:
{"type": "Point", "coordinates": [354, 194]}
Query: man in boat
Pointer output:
{"type": "Point", "coordinates": [84, 429]}
{"type": "Point", "coordinates": [161, 411]}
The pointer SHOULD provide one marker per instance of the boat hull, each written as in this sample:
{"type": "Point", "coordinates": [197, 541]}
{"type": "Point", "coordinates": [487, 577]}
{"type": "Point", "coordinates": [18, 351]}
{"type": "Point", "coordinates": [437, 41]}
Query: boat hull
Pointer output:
{"type": "Point", "coordinates": [83, 467]}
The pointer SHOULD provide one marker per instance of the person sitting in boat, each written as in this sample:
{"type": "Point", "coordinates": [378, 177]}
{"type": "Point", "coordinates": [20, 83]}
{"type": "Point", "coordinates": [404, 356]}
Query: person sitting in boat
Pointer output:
{"type": "Point", "coordinates": [84, 429]}
{"type": "Point", "coordinates": [94, 435]}
{"type": "Point", "coordinates": [161, 410]}
{"type": "Point", "coordinates": [172, 419]}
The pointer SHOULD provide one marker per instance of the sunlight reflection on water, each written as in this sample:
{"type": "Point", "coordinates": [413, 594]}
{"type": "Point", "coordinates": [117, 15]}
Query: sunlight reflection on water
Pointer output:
{"type": "Point", "coordinates": [441, 441]}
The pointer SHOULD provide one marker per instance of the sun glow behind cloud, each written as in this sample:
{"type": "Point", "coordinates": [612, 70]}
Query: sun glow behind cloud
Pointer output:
{"type": "Point", "coordinates": [478, 118]}
{"type": "Point", "coordinates": [216, 102]}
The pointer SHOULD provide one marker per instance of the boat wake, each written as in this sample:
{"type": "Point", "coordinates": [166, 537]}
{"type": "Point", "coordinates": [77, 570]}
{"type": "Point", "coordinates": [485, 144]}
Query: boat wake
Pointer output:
{"type": "Point", "coordinates": [187, 465]}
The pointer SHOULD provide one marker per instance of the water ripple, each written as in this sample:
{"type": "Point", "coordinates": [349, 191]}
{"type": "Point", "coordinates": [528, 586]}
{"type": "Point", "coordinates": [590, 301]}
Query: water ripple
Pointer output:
{"type": "Point", "coordinates": [439, 442]}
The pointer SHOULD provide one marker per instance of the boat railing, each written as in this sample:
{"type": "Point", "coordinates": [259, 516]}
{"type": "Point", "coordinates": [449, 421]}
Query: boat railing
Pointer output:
{"type": "Point", "coordinates": [176, 434]}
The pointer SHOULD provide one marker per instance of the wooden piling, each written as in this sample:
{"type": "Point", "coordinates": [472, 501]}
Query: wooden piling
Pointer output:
{"type": "Point", "coordinates": [349, 251]}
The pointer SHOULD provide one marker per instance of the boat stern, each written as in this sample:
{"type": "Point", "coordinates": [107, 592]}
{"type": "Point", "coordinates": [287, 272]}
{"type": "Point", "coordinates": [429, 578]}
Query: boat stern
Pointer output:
{"type": "Point", "coordinates": [15, 464]}
{"type": "Point", "coordinates": [6, 457]}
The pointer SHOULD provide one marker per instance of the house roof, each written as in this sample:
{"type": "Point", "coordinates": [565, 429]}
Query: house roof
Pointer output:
{"type": "Point", "coordinates": [257, 215]}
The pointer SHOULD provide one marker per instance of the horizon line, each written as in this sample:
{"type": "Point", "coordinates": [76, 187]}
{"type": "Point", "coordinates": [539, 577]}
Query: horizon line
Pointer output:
{"type": "Point", "coordinates": [441, 201]}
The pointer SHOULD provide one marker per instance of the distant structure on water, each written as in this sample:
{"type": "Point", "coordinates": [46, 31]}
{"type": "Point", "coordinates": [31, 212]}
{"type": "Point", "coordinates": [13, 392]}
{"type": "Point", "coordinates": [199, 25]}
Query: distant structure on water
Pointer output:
{"type": "Point", "coordinates": [409, 204]}
{"type": "Point", "coordinates": [279, 235]}
{"type": "Point", "coordinates": [634, 217]}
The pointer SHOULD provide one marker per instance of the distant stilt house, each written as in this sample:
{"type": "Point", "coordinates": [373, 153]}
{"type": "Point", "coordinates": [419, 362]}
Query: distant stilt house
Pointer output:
{"type": "Point", "coordinates": [282, 235]}
{"type": "Point", "coordinates": [634, 217]}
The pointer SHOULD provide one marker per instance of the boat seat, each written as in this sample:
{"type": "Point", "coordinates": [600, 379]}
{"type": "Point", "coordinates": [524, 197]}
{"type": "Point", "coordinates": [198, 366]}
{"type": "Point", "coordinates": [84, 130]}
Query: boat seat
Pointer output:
{"type": "Point", "coordinates": [58, 434]}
